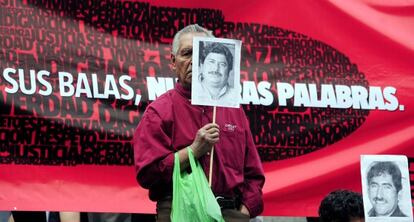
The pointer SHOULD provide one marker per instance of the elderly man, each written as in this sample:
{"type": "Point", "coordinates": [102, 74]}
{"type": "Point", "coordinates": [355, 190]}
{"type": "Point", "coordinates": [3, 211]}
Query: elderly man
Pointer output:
{"type": "Point", "coordinates": [384, 184]}
{"type": "Point", "coordinates": [170, 124]}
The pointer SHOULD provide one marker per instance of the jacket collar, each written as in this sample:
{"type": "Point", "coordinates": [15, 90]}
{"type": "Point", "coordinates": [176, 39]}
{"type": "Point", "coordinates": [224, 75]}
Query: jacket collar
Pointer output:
{"type": "Point", "coordinates": [183, 91]}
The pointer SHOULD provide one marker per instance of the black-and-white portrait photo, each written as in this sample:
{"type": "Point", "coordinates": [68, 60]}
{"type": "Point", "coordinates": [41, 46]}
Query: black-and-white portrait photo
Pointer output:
{"type": "Point", "coordinates": [386, 188]}
{"type": "Point", "coordinates": [216, 72]}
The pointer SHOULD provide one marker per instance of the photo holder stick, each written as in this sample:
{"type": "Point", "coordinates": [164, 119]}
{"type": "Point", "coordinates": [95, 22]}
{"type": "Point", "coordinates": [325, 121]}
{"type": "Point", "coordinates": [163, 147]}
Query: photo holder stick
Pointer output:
{"type": "Point", "coordinates": [210, 172]}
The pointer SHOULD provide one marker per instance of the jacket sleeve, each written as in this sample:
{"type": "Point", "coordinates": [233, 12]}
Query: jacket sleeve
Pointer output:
{"type": "Point", "coordinates": [153, 154]}
{"type": "Point", "coordinates": [253, 176]}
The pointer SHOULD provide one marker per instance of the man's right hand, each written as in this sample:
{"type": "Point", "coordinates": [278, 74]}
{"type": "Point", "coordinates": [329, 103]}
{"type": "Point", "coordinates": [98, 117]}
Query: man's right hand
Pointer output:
{"type": "Point", "coordinates": [206, 137]}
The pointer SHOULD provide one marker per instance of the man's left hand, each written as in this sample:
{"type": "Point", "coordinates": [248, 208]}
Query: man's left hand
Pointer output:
{"type": "Point", "coordinates": [244, 210]}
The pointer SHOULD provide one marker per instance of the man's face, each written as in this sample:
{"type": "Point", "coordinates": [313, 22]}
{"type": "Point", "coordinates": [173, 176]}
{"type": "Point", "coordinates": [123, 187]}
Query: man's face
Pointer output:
{"type": "Point", "coordinates": [383, 194]}
{"type": "Point", "coordinates": [182, 61]}
{"type": "Point", "coordinates": [215, 70]}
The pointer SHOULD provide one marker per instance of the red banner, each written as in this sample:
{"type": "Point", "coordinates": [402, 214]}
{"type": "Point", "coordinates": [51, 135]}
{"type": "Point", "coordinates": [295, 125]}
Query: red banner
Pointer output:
{"type": "Point", "coordinates": [322, 83]}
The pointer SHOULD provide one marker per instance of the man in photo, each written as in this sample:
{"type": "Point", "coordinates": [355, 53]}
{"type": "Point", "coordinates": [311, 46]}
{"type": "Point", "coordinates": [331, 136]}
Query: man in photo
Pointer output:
{"type": "Point", "coordinates": [384, 185]}
{"type": "Point", "coordinates": [216, 63]}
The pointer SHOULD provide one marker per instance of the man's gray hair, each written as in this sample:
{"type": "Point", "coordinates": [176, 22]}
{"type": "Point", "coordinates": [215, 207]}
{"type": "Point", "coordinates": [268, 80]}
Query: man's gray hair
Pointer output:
{"type": "Point", "coordinates": [187, 29]}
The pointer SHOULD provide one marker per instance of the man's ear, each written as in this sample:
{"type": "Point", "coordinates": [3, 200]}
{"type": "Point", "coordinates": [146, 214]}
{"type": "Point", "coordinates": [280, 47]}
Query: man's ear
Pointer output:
{"type": "Point", "coordinates": [399, 195]}
{"type": "Point", "coordinates": [172, 63]}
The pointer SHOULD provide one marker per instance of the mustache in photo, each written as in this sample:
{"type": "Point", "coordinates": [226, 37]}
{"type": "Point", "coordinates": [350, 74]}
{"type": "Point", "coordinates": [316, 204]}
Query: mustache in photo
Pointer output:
{"type": "Point", "coordinates": [215, 73]}
{"type": "Point", "coordinates": [378, 199]}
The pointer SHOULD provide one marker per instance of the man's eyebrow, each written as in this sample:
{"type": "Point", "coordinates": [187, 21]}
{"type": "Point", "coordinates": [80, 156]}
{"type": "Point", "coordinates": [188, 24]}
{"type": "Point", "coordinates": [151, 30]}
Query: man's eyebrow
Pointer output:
{"type": "Point", "coordinates": [386, 183]}
{"type": "Point", "coordinates": [186, 49]}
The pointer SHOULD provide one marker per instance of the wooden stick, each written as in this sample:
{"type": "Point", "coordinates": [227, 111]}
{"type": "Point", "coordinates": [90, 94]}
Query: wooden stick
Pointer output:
{"type": "Point", "coordinates": [210, 174]}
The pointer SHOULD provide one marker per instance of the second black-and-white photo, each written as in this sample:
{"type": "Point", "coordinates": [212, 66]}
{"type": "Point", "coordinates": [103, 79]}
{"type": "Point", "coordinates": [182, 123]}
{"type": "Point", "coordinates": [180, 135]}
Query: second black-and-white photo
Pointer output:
{"type": "Point", "coordinates": [386, 188]}
{"type": "Point", "coordinates": [216, 72]}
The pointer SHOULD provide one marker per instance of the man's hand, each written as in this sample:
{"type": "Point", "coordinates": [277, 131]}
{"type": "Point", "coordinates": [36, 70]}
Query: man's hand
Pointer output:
{"type": "Point", "coordinates": [206, 137]}
{"type": "Point", "coordinates": [244, 210]}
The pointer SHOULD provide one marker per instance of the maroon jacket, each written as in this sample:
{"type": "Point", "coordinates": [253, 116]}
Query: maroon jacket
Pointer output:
{"type": "Point", "coordinates": [170, 123]}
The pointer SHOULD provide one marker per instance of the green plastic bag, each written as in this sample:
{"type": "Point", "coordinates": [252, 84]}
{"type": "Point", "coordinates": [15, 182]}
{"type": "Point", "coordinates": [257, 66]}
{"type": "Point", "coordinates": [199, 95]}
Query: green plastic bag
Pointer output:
{"type": "Point", "coordinates": [193, 199]}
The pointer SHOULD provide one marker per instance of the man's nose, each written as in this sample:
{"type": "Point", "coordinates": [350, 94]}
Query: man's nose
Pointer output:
{"type": "Point", "coordinates": [380, 192]}
{"type": "Point", "coordinates": [218, 67]}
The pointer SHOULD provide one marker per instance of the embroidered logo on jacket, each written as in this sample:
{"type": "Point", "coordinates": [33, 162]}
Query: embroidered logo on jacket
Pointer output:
{"type": "Point", "coordinates": [229, 127]}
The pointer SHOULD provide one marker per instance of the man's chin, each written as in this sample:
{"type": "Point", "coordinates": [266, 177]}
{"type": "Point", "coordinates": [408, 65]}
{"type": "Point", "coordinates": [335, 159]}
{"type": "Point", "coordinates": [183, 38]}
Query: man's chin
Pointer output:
{"type": "Point", "coordinates": [217, 86]}
{"type": "Point", "coordinates": [186, 84]}
{"type": "Point", "coordinates": [382, 211]}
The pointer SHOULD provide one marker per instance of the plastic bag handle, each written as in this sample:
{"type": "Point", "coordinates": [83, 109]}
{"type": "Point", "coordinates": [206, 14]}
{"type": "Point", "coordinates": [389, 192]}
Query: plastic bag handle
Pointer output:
{"type": "Point", "coordinates": [193, 163]}
{"type": "Point", "coordinates": [177, 166]}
